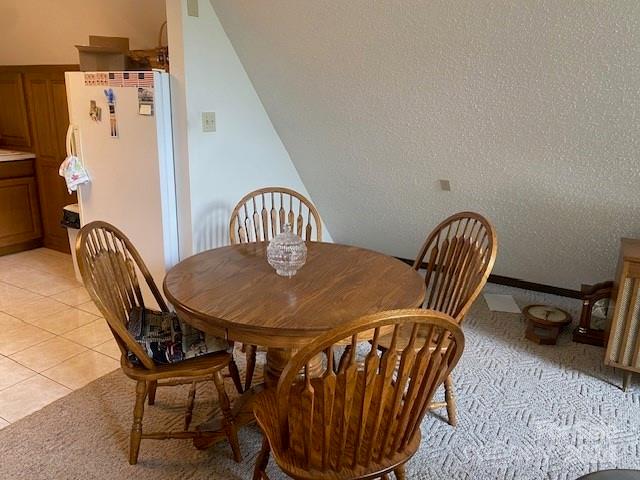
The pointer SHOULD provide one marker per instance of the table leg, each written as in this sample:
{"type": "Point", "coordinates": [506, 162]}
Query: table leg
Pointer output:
{"type": "Point", "coordinates": [277, 359]}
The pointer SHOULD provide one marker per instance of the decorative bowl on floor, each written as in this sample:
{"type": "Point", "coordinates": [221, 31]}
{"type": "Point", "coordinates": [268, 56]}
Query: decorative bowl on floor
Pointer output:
{"type": "Point", "coordinates": [287, 252]}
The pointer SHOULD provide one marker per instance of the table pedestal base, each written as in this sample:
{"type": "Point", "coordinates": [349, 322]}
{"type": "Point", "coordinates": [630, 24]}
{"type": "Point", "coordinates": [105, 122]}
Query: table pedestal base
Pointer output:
{"type": "Point", "coordinates": [242, 409]}
{"type": "Point", "coordinates": [277, 360]}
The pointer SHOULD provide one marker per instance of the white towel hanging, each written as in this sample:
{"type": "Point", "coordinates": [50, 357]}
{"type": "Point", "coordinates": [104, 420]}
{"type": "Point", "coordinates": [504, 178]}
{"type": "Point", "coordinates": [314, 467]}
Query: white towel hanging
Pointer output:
{"type": "Point", "coordinates": [73, 172]}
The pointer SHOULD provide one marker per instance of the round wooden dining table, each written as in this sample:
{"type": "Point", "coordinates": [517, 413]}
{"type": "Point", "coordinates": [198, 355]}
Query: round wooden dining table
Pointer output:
{"type": "Point", "coordinates": [232, 292]}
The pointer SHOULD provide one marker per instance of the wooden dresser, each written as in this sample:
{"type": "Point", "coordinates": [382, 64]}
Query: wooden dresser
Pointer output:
{"type": "Point", "coordinates": [623, 343]}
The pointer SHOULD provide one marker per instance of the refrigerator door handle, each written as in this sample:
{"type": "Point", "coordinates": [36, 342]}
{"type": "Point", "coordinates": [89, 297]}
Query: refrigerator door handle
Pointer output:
{"type": "Point", "coordinates": [69, 141]}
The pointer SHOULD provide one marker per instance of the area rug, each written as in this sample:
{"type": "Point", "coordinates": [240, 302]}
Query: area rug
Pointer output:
{"type": "Point", "coordinates": [525, 412]}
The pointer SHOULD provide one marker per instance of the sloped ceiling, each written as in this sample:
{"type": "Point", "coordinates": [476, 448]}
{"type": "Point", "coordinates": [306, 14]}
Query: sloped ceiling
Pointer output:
{"type": "Point", "coordinates": [530, 109]}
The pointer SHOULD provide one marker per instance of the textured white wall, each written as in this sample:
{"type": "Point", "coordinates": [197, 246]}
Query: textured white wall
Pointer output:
{"type": "Point", "coordinates": [214, 170]}
{"type": "Point", "coordinates": [41, 32]}
{"type": "Point", "coordinates": [529, 108]}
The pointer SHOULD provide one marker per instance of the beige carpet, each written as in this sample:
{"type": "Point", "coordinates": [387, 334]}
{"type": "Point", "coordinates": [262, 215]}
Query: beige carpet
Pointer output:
{"type": "Point", "coordinates": [526, 412]}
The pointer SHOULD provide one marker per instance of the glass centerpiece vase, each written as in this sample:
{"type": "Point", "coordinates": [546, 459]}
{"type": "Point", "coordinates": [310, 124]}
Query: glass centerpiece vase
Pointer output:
{"type": "Point", "coordinates": [287, 252]}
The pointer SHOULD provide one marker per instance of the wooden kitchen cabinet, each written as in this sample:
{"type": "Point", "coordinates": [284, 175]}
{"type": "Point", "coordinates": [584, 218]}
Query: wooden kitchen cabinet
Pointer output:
{"type": "Point", "coordinates": [34, 117]}
{"type": "Point", "coordinates": [49, 116]}
{"type": "Point", "coordinates": [14, 123]}
{"type": "Point", "coordinates": [20, 227]}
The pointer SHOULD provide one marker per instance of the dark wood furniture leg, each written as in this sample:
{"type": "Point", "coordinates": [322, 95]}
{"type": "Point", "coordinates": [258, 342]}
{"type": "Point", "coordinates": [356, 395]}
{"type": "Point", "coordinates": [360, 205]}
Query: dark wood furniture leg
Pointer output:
{"type": "Point", "coordinates": [262, 461]}
{"type": "Point", "coordinates": [229, 425]}
{"type": "Point", "coordinates": [250, 354]}
{"type": "Point", "coordinates": [152, 387]}
{"type": "Point", "coordinates": [235, 375]}
{"type": "Point", "coordinates": [190, 401]}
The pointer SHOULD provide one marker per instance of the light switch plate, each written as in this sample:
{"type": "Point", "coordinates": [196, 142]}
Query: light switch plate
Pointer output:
{"type": "Point", "coordinates": [208, 121]}
{"type": "Point", "coordinates": [192, 8]}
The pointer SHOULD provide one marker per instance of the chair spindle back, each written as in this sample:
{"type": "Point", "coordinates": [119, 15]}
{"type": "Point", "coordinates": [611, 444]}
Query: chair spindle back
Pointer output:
{"type": "Point", "coordinates": [459, 254]}
{"type": "Point", "coordinates": [108, 261]}
{"type": "Point", "coordinates": [357, 413]}
{"type": "Point", "coordinates": [262, 214]}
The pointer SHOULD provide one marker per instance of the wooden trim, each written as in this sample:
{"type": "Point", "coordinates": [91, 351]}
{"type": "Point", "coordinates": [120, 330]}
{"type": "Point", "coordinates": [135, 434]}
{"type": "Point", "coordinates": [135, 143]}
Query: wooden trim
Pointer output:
{"type": "Point", "coordinates": [517, 283]}
{"type": "Point", "coordinates": [60, 244]}
{"type": "Point", "coordinates": [20, 247]}
{"type": "Point", "coordinates": [536, 287]}
{"type": "Point", "coordinates": [39, 68]}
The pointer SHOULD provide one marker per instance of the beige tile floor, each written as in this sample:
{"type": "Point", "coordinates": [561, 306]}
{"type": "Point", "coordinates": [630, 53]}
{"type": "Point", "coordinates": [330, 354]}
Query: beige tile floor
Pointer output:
{"type": "Point", "coordinates": [52, 338]}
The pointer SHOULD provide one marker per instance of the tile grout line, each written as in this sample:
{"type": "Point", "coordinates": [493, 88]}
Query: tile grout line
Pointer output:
{"type": "Point", "coordinates": [43, 376]}
{"type": "Point", "coordinates": [68, 331]}
{"type": "Point", "coordinates": [13, 384]}
{"type": "Point", "coordinates": [43, 297]}
{"type": "Point", "coordinates": [55, 335]}
{"type": "Point", "coordinates": [52, 333]}
{"type": "Point", "coordinates": [77, 285]}
{"type": "Point", "coordinates": [47, 273]}
{"type": "Point", "coordinates": [78, 388]}
{"type": "Point", "coordinates": [21, 381]}
{"type": "Point", "coordinates": [12, 316]}
{"type": "Point", "coordinates": [8, 282]}
{"type": "Point", "coordinates": [62, 336]}
{"type": "Point", "coordinates": [49, 368]}
{"type": "Point", "coordinates": [65, 386]}
{"type": "Point", "coordinates": [34, 345]}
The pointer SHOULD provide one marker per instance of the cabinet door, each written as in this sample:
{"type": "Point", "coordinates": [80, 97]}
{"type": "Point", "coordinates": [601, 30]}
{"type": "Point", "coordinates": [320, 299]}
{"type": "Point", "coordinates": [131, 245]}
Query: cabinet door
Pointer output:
{"type": "Point", "coordinates": [19, 215]}
{"type": "Point", "coordinates": [14, 126]}
{"type": "Point", "coordinates": [48, 112]}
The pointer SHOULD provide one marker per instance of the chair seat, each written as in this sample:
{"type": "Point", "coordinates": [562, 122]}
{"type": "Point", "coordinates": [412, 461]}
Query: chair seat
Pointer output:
{"type": "Point", "coordinates": [265, 409]}
{"type": "Point", "coordinates": [193, 367]}
{"type": "Point", "coordinates": [167, 339]}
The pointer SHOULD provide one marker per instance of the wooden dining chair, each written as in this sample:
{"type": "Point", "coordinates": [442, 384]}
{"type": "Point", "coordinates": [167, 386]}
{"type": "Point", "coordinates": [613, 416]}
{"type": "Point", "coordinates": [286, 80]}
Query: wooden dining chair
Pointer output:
{"type": "Point", "coordinates": [458, 256]}
{"type": "Point", "coordinates": [109, 265]}
{"type": "Point", "coordinates": [261, 215]}
{"type": "Point", "coordinates": [360, 420]}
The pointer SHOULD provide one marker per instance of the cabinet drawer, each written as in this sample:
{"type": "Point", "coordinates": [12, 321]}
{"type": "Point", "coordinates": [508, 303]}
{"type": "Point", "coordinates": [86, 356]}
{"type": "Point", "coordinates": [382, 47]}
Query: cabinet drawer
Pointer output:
{"type": "Point", "coordinates": [19, 213]}
{"type": "Point", "coordinates": [17, 168]}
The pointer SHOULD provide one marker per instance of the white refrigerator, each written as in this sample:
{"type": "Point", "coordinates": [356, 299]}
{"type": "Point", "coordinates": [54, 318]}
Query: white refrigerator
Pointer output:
{"type": "Point", "coordinates": [120, 129]}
